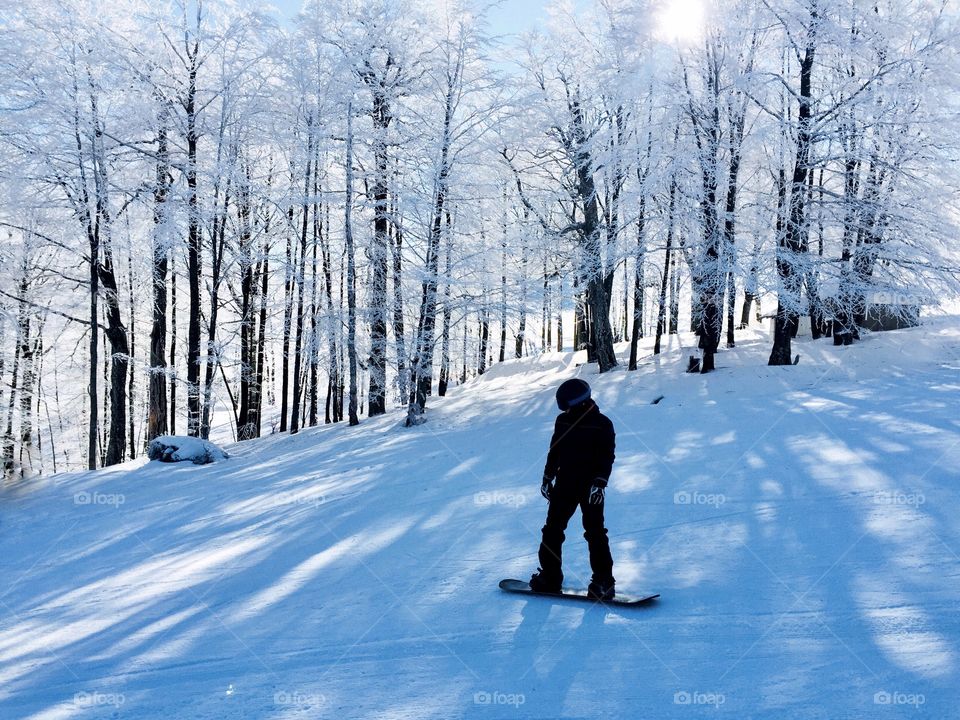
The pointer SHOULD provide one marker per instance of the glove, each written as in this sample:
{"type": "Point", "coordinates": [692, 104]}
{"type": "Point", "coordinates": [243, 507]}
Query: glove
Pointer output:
{"type": "Point", "coordinates": [597, 491]}
{"type": "Point", "coordinates": [546, 487]}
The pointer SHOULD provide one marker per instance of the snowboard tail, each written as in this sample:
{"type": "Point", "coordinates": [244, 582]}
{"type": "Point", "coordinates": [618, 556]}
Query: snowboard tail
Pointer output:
{"type": "Point", "coordinates": [521, 586]}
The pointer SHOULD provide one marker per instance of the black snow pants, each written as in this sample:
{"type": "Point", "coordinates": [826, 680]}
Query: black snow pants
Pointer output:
{"type": "Point", "coordinates": [564, 500]}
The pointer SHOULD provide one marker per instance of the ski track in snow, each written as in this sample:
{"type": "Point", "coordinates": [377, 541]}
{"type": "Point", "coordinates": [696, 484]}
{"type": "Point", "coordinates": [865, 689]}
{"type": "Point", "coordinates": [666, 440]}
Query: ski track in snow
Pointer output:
{"type": "Point", "coordinates": [800, 524]}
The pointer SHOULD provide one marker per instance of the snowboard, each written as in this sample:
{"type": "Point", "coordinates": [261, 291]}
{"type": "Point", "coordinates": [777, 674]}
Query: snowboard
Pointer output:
{"type": "Point", "coordinates": [521, 586]}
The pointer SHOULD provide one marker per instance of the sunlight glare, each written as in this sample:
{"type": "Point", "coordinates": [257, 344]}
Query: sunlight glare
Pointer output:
{"type": "Point", "coordinates": [680, 21]}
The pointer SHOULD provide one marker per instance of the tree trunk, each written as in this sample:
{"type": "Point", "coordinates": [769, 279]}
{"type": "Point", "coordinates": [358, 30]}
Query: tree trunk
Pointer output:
{"type": "Point", "coordinates": [119, 362]}
{"type": "Point", "coordinates": [8, 441]}
{"type": "Point", "coordinates": [193, 248]}
{"type": "Point", "coordinates": [288, 286]}
{"type": "Point", "coordinates": [792, 240]}
{"type": "Point", "coordinates": [173, 344]}
{"type": "Point", "coordinates": [520, 337]}
{"type": "Point", "coordinates": [750, 285]}
{"type": "Point", "coordinates": [674, 323]}
{"type": "Point", "coordinates": [131, 388]}
{"type": "Point", "coordinates": [665, 277]}
{"type": "Point", "coordinates": [598, 297]}
{"type": "Point", "coordinates": [422, 365]}
{"type": "Point", "coordinates": [399, 337]}
{"type": "Point", "coordinates": [256, 391]}
{"type": "Point", "coordinates": [116, 332]}
{"type": "Point", "coordinates": [377, 365]}
{"type": "Point", "coordinates": [314, 307]}
{"type": "Point", "coordinates": [351, 274]}
{"type": "Point", "coordinates": [27, 352]}
{"type": "Point", "coordinates": [333, 411]}
{"type": "Point", "coordinates": [707, 290]}
{"type": "Point", "coordinates": [247, 266]}
{"type": "Point", "coordinates": [301, 276]}
{"type": "Point", "coordinates": [729, 229]}
{"type": "Point", "coordinates": [445, 331]}
{"type": "Point", "coordinates": [636, 331]}
{"type": "Point", "coordinates": [484, 340]}
{"type": "Point", "coordinates": [503, 280]}
{"type": "Point", "coordinates": [218, 242]}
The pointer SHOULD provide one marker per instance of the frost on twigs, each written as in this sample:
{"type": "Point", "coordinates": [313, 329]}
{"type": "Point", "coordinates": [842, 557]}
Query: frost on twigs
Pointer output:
{"type": "Point", "coordinates": [175, 448]}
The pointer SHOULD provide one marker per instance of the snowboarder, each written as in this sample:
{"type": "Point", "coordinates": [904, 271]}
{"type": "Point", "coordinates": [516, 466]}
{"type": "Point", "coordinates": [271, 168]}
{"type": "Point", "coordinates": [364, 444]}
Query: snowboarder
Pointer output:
{"type": "Point", "coordinates": [576, 474]}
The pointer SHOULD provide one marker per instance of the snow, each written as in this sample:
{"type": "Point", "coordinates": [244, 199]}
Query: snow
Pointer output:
{"type": "Point", "coordinates": [181, 448]}
{"type": "Point", "coordinates": [799, 522]}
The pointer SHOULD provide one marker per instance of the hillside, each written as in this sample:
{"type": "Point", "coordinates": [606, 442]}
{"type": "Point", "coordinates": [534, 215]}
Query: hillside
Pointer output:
{"type": "Point", "coordinates": [799, 522]}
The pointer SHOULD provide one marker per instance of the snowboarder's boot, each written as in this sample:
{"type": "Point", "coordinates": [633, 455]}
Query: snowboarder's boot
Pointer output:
{"type": "Point", "coordinates": [540, 582]}
{"type": "Point", "coordinates": [601, 589]}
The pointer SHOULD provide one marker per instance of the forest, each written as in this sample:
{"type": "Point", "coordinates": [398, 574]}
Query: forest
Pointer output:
{"type": "Point", "coordinates": [217, 220]}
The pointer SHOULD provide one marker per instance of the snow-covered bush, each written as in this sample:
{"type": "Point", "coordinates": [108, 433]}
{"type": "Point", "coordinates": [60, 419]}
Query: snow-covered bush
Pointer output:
{"type": "Point", "coordinates": [176, 448]}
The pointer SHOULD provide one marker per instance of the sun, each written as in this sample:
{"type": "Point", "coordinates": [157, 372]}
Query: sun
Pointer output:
{"type": "Point", "coordinates": [680, 21]}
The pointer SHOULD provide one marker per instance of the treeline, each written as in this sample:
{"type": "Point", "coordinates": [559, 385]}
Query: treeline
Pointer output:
{"type": "Point", "coordinates": [213, 218]}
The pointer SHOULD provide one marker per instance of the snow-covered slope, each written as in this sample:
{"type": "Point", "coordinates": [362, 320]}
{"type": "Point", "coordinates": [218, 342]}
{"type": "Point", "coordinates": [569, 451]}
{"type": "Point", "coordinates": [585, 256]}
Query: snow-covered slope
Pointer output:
{"type": "Point", "coordinates": [801, 524]}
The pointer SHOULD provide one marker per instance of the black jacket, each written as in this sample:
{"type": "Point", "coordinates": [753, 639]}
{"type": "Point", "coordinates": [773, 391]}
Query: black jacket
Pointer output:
{"type": "Point", "coordinates": [582, 447]}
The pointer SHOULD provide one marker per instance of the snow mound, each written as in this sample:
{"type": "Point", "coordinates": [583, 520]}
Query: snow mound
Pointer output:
{"type": "Point", "coordinates": [177, 448]}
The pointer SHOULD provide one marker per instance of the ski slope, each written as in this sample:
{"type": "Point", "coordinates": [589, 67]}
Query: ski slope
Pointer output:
{"type": "Point", "coordinates": [801, 524]}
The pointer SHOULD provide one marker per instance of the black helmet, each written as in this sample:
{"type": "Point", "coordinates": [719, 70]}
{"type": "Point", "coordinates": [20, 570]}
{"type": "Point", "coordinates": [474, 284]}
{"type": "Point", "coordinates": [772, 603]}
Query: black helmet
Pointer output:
{"type": "Point", "coordinates": [571, 393]}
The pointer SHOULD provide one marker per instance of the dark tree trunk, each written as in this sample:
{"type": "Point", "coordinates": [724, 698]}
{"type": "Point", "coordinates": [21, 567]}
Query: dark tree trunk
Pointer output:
{"type": "Point", "coordinates": [116, 333]}
{"type": "Point", "coordinates": [314, 306]}
{"type": "Point", "coordinates": [707, 291]}
{"type": "Point", "coordinates": [218, 242]}
{"type": "Point", "coordinates": [792, 239]}
{"type": "Point", "coordinates": [844, 326]}
{"type": "Point", "coordinates": [256, 390]}
{"type": "Point", "coordinates": [730, 235]}
{"type": "Point", "coordinates": [354, 418]}
{"type": "Point", "coordinates": [444, 378]}
{"type": "Point", "coordinates": [665, 277]}
{"type": "Point", "coordinates": [288, 286]}
{"type": "Point", "coordinates": [484, 340]}
{"type": "Point", "coordinates": [598, 297]}
{"type": "Point", "coordinates": [173, 344]}
{"type": "Point", "coordinates": [638, 289]}
{"type": "Point", "coordinates": [674, 322]}
{"type": "Point", "coordinates": [131, 388]}
{"type": "Point", "coordinates": [333, 411]}
{"type": "Point", "coordinates": [423, 357]}
{"type": "Point", "coordinates": [28, 352]}
{"type": "Point", "coordinates": [377, 365]}
{"type": "Point", "coordinates": [422, 365]}
{"type": "Point", "coordinates": [503, 281]}
{"type": "Point", "coordinates": [301, 276]}
{"type": "Point", "coordinates": [8, 440]}
{"type": "Point", "coordinates": [521, 336]}
{"type": "Point", "coordinates": [247, 264]}
{"type": "Point", "coordinates": [92, 230]}
{"type": "Point", "coordinates": [750, 285]}
{"type": "Point", "coordinates": [119, 361]}
{"type": "Point", "coordinates": [399, 332]}
{"type": "Point", "coordinates": [560, 317]}
{"type": "Point", "coordinates": [193, 248]}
